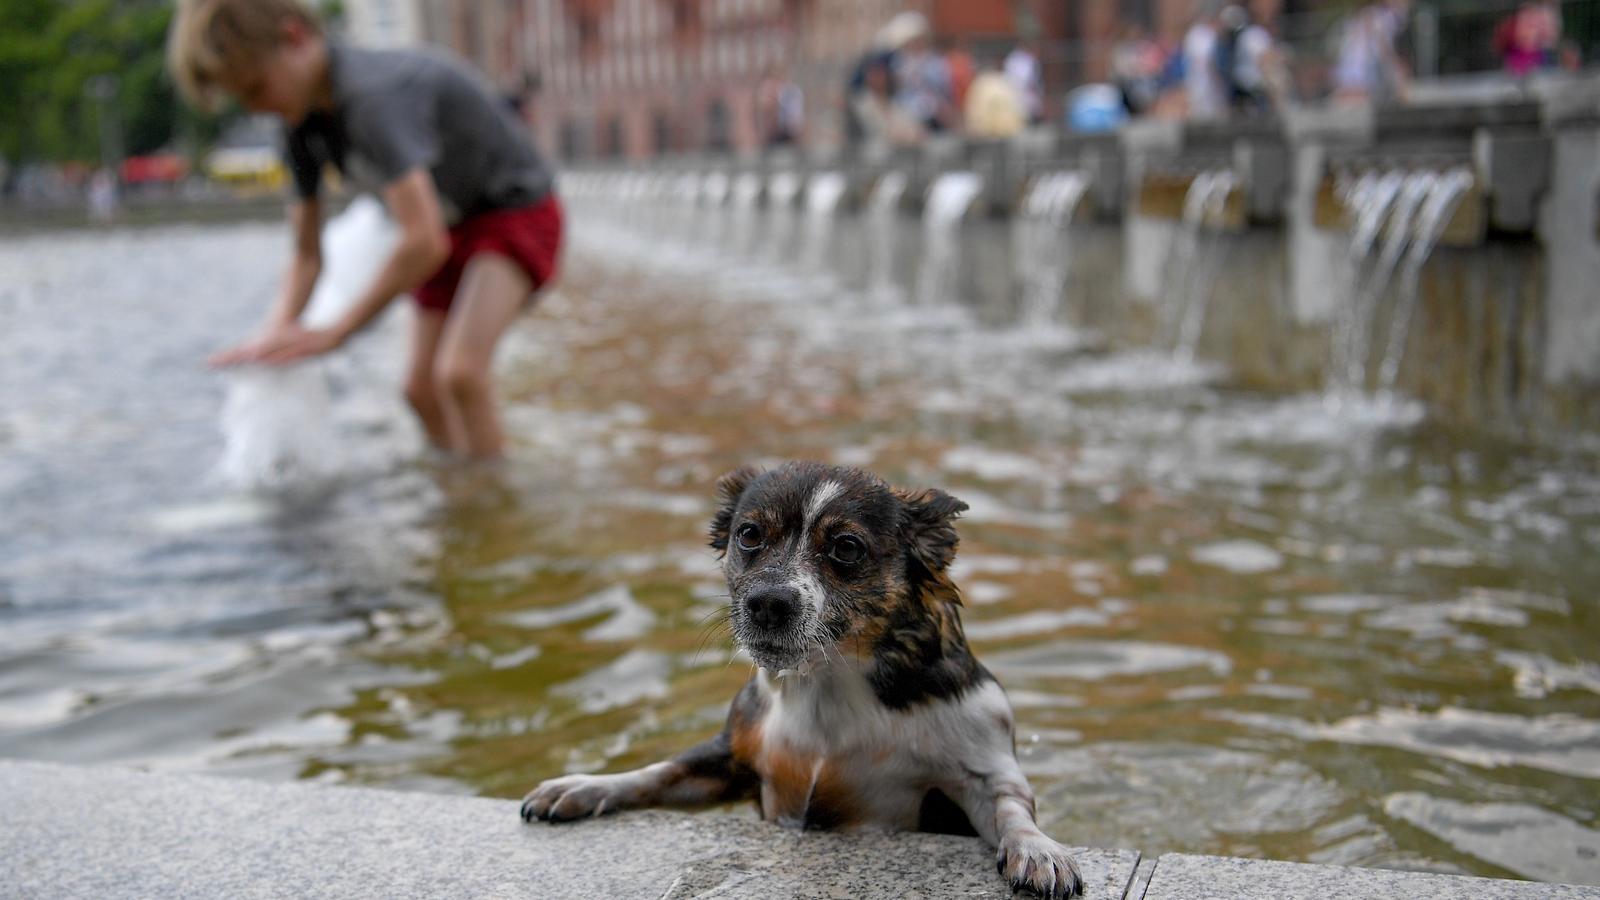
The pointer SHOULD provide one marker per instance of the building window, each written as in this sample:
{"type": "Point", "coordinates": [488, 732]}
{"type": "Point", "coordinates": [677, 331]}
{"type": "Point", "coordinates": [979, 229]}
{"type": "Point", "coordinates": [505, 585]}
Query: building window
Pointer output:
{"type": "Point", "coordinates": [663, 133]}
{"type": "Point", "coordinates": [719, 127]}
{"type": "Point", "coordinates": [572, 143]}
{"type": "Point", "coordinates": [614, 136]}
{"type": "Point", "coordinates": [588, 32]}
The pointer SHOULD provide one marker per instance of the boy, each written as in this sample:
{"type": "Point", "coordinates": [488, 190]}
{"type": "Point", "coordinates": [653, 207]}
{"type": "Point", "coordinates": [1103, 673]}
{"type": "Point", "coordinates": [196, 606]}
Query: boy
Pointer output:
{"type": "Point", "coordinates": [480, 223]}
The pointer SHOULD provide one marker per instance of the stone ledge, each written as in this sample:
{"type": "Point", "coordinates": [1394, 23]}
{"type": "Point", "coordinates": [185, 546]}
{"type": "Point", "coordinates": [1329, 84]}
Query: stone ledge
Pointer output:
{"type": "Point", "coordinates": [113, 833]}
{"type": "Point", "coordinates": [1181, 876]}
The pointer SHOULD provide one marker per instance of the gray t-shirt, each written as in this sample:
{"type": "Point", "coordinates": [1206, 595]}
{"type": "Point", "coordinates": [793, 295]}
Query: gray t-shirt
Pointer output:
{"type": "Point", "coordinates": [395, 110]}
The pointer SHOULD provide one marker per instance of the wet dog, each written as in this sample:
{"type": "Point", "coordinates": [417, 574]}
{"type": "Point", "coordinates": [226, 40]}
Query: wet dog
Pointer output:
{"type": "Point", "coordinates": [867, 709]}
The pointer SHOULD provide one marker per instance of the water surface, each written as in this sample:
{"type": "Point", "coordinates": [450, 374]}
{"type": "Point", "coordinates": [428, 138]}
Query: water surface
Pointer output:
{"type": "Point", "coordinates": [1230, 623]}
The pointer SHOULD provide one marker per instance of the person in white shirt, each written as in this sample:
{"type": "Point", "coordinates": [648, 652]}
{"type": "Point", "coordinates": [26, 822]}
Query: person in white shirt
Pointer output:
{"type": "Point", "coordinates": [1203, 84]}
{"type": "Point", "coordinates": [1022, 70]}
{"type": "Point", "coordinates": [1370, 68]}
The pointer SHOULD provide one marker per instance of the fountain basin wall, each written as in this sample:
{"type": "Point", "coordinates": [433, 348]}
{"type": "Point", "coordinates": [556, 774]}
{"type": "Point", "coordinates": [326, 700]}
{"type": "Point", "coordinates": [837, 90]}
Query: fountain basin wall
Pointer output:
{"type": "Point", "coordinates": [1505, 331]}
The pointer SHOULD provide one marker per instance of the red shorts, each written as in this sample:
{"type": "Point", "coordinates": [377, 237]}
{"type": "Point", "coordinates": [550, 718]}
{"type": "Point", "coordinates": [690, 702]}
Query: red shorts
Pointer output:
{"type": "Point", "coordinates": [529, 236]}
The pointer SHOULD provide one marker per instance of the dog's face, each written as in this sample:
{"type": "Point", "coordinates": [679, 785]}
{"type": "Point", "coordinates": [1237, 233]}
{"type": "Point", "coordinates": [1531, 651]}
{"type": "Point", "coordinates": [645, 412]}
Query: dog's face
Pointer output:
{"type": "Point", "coordinates": [816, 555]}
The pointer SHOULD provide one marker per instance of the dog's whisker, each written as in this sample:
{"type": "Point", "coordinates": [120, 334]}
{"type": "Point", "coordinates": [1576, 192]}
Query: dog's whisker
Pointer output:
{"type": "Point", "coordinates": [723, 612]}
{"type": "Point", "coordinates": [714, 629]}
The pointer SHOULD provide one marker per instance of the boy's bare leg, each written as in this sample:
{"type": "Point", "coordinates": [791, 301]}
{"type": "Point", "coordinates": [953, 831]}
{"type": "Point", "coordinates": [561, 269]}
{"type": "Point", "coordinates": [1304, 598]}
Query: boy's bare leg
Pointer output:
{"type": "Point", "coordinates": [422, 390]}
{"type": "Point", "coordinates": [490, 296]}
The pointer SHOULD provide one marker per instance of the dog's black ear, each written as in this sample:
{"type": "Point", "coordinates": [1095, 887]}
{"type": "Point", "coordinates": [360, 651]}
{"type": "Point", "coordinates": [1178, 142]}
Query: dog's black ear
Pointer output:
{"type": "Point", "coordinates": [929, 526]}
{"type": "Point", "coordinates": [730, 488]}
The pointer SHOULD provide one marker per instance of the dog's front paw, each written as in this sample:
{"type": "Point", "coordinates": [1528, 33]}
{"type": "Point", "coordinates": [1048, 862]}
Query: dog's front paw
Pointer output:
{"type": "Point", "coordinates": [1030, 861]}
{"type": "Point", "coordinates": [576, 797]}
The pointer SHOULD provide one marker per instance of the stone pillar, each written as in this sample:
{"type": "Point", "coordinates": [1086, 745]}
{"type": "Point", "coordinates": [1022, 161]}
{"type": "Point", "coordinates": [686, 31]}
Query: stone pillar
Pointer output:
{"type": "Point", "coordinates": [1569, 227]}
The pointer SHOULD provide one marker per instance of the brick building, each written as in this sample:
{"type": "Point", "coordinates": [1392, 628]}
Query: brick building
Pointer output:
{"type": "Point", "coordinates": [637, 78]}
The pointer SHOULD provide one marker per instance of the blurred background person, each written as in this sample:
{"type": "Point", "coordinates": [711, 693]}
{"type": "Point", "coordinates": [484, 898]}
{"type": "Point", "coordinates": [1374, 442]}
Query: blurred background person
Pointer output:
{"type": "Point", "coordinates": [880, 122]}
{"type": "Point", "coordinates": [1370, 68]}
{"type": "Point", "coordinates": [1022, 69]}
{"type": "Point", "coordinates": [1251, 63]}
{"type": "Point", "coordinates": [1528, 40]}
{"type": "Point", "coordinates": [1204, 90]}
{"type": "Point", "coordinates": [879, 58]}
{"type": "Point", "coordinates": [994, 108]}
{"type": "Point", "coordinates": [1136, 65]}
{"type": "Point", "coordinates": [1095, 107]}
{"type": "Point", "coordinates": [922, 81]}
{"type": "Point", "coordinates": [781, 105]}
{"type": "Point", "coordinates": [102, 195]}
{"type": "Point", "coordinates": [963, 69]}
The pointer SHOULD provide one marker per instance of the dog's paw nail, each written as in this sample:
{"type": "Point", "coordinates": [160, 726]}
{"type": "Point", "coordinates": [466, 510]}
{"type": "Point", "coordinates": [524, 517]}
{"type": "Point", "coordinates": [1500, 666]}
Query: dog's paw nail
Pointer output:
{"type": "Point", "coordinates": [1034, 864]}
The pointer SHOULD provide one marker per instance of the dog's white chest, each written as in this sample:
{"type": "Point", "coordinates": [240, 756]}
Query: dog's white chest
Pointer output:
{"type": "Point", "coordinates": [832, 756]}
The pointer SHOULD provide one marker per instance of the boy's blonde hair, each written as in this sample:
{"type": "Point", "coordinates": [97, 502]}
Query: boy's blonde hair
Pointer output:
{"type": "Point", "coordinates": [211, 40]}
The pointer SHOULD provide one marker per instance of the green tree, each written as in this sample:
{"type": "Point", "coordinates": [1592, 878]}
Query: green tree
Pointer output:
{"type": "Point", "coordinates": [52, 52]}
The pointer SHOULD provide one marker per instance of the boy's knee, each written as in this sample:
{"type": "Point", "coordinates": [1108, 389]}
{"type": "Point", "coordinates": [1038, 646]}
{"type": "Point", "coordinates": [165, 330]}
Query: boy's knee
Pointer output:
{"type": "Point", "coordinates": [421, 392]}
{"type": "Point", "coordinates": [459, 380]}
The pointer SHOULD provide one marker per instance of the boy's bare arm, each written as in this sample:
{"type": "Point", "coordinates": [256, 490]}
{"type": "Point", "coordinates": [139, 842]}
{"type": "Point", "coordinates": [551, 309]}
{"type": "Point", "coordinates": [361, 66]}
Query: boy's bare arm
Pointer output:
{"type": "Point", "coordinates": [305, 221]}
{"type": "Point", "coordinates": [424, 246]}
{"type": "Point", "coordinates": [283, 320]}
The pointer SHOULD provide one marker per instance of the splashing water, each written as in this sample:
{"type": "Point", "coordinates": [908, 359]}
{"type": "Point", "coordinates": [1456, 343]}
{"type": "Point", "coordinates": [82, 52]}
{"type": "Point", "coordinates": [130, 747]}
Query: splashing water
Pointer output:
{"type": "Point", "coordinates": [782, 190]}
{"type": "Point", "coordinates": [949, 199]}
{"type": "Point", "coordinates": [1194, 264]}
{"type": "Point", "coordinates": [1043, 249]}
{"type": "Point", "coordinates": [883, 208]}
{"type": "Point", "coordinates": [278, 427]}
{"type": "Point", "coordinates": [824, 192]}
{"type": "Point", "coordinates": [746, 195]}
{"type": "Point", "coordinates": [714, 190]}
{"type": "Point", "coordinates": [1443, 198]}
{"type": "Point", "coordinates": [1353, 338]}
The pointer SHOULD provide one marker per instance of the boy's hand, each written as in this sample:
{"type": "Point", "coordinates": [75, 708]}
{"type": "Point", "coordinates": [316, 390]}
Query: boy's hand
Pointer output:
{"type": "Point", "coordinates": [306, 342]}
{"type": "Point", "coordinates": [280, 345]}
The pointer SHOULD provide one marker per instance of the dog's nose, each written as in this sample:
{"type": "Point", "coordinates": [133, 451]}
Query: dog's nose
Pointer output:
{"type": "Point", "coordinates": [772, 608]}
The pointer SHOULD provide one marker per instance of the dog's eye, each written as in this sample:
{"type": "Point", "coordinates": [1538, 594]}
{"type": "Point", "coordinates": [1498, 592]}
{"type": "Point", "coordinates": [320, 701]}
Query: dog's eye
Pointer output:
{"type": "Point", "coordinates": [847, 549]}
{"type": "Point", "coordinates": [749, 538]}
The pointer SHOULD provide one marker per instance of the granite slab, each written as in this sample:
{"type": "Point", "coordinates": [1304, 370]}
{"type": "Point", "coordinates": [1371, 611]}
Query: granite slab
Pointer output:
{"type": "Point", "coordinates": [117, 833]}
{"type": "Point", "coordinates": [1182, 876]}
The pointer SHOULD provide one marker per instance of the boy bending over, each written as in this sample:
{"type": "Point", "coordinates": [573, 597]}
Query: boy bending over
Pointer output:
{"type": "Point", "coordinates": [480, 223]}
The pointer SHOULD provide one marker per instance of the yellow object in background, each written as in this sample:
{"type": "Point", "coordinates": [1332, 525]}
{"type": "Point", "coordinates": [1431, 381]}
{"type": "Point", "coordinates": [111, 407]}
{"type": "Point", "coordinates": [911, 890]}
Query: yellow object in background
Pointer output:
{"type": "Point", "coordinates": [994, 108]}
{"type": "Point", "coordinates": [249, 169]}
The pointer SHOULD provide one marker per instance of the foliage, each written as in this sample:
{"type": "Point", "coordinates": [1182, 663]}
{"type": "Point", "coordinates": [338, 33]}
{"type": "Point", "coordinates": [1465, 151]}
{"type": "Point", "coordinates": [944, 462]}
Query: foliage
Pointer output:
{"type": "Point", "coordinates": [52, 52]}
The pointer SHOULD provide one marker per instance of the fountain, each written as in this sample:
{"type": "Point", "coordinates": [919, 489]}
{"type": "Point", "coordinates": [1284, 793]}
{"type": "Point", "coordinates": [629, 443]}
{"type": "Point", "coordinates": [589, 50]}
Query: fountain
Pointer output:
{"type": "Point", "coordinates": [1042, 245]}
{"type": "Point", "coordinates": [783, 188]}
{"type": "Point", "coordinates": [1202, 280]}
{"type": "Point", "coordinates": [949, 199]}
{"type": "Point", "coordinates": [824, 193]}
{"type": "Point", "coordinates": [1440, 204]}
{"type": "Point", "coordinates": [746, 194]}
{"type": "Point", "coordinates": [883, 211]}
{"type": "Point", "coordinates": [715, 188]}
{"type": "Point", "coordinates": [1394, 209]}
{"type": "Point", "coordinates": [1194, 263]}
{"type": "Point", "coordinates": [1055, 197]}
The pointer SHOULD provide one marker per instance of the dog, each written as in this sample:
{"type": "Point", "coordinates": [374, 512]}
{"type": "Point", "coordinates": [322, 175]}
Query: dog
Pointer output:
{"type": "Point", "coordinates": [867, 709]}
